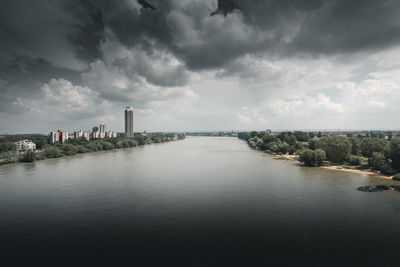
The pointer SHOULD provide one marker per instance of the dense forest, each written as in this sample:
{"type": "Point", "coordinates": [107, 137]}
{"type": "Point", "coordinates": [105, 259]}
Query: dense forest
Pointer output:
{"type": "Point", "coordinates": [74, 146]}
{"type": "Point", "coordinates": [313, 149]}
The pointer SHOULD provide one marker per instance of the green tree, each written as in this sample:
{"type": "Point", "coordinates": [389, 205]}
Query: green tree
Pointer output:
{"type": "Point", "coordinates": [140, 140]}
{"type": "Point", "coordinates": [301, 136]}
{"type": "Point", "coordinates": [69, 149]}
{"type": "Point", "coordinates": [312, 158]}
{"type": "Point", "coordinates": [52, 152]}
{"type": "Point", "coordinates": [313, 144]}
{"type": "Point", "coordinates": [29, 156]}
{"type": "Point", "coordinates": [371, 145]}
{"type": "Point", "coordinates": [253, 134]}
{"type": "Point", "coordinates": [268, 138]}
{"type": "Point", "coordinates": [337, 148]}
{"type": "Point", "coordinates": [379, 162]}
{"type": "Point", "coordinates": [355, 145]}
{"type": "Point", "coordinates": [273, 146]}
{"type": "Point", "coordinates": [283, 147]}
{"type": "Point", "coordinates": [394, 153]}
{"type": "Point", "coordinates": [261, 134]}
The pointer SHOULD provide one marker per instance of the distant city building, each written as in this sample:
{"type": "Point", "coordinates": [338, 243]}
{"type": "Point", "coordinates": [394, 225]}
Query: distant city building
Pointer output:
{"type": "Point", "coordinates": [111, 134]}
{"type": "Point", "coordinates": [268, 131]}
{"type": "Point", "coordinates": [114, 135]}
{"type": "Point", "coordinates": [129, 122]}
{"type": "Point", "coordinates": [53, 137]}
{"type": "Point", "coordinates": [95, 129]}
{"type": "Point", "coordinates": [64, 136]}
{"type": "Point", "coordinates": [86, 135]}
{"type": "Point", "coordinates": [25, 145]}
{"type": "Point", "coordinates": [102, 128]}
{"type": "Point", "coordinates": [58, 136]}
{"type": "Point", "coordinates": [95, 134]}
{"type": "Point", "coordinates": [102, 135]}
{"type": "Point", "coordinates": [78, 134]}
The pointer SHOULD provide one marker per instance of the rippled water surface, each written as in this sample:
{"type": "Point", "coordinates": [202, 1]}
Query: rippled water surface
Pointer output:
{"type": "Point", "coordinates": [197, 202]}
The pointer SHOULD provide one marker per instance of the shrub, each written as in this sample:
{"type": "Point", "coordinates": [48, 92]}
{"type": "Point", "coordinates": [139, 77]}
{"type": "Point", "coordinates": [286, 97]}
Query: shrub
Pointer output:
{"type": "Point", "coordinates": [29, 156]}
{"type": "Point", "coordinates": [69, 149]}
{"type": "Point", "coordinates": [396, 177]}
{"type": "Point", "coordinates": [357, 160]}
{"type": "Point", "coordinates": [52, 152]}
{"type": "Point", "coordinates": [80, 149]}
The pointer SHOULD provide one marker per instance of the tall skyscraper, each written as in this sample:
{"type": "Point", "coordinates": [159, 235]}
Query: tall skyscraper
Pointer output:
{"type": "Point", "coordinates": [129, 122]}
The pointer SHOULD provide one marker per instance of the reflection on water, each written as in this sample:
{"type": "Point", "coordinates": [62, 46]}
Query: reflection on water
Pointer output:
{"type": "Point", "coordinates": [201, 201]}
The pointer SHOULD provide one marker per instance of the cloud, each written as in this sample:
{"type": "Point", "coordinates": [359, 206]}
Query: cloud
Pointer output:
{"type": "Point", "coordinates": [286, 61]}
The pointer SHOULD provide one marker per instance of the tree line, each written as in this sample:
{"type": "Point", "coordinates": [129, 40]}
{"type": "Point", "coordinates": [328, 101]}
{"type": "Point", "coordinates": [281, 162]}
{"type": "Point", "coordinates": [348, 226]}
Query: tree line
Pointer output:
{"type": "Point", "coordinates": [75, 146]}
{"type": "Point", "coordinates": [313, 149]}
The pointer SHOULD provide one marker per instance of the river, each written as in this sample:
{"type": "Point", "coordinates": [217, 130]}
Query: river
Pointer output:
{"type": "Point", "coordinates": [202, 201]}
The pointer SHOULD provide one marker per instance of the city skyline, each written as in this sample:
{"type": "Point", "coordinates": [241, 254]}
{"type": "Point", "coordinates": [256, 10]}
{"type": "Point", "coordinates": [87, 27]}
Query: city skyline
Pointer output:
{"type": "Point", "coordinates": [200, 65]}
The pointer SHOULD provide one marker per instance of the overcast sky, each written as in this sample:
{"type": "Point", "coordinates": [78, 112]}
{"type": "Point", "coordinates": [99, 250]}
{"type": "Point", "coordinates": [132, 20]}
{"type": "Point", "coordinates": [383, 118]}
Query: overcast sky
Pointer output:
{"type": "Point", "coordinates": [199, 64]}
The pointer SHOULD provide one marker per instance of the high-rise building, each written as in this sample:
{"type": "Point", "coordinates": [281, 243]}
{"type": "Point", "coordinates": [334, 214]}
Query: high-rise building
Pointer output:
{"type": "Point", "coordinates": [102, 128]}
{"type": "Point", "coordinates": [53, 137]}
{"type": "Point", "coordinates": [129, 122]}
{"type": "Point", "coordinates": [58, 136]}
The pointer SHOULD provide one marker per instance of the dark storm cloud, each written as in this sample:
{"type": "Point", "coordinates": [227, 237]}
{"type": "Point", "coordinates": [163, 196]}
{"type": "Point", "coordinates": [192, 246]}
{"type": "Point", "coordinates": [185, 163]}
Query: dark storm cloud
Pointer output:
{"type": "Point", "coordinates": [41, 40]}
{"type": "Point", "coordinates": [58, 31]}
{"type": "Point", "coordinates": [146, 4]}
{"type": "Point", "coordinates": [280, 28]}
{"type": "Point", "coordinates": [88, 34]}
{"type": "Point", "coordinates": [225, 7]}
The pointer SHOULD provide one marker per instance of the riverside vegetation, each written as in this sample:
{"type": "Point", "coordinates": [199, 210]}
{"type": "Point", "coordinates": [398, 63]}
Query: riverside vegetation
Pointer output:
{"type": "Point", "coordinates": [314, 150]}
{"type": "Point", "coordinates": [74, 146]}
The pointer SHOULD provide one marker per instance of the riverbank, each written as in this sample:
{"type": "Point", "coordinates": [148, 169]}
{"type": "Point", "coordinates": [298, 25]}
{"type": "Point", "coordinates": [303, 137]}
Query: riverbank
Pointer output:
{"type": "Point", "coordinates": [348, 169]}
{"type": "Point", "coordinates": [80, 147]}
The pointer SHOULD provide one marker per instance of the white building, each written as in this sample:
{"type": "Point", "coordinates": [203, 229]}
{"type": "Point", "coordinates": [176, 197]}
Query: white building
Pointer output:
{"type": "Point", "coordinates": [95, 134]}
{"type": "Point", "coordinates": [114, 134]}
{"type": "Point", "coordinates": [102, 134]}
{"type": "Point", "coordinates": [86, 135]}
{"type": "Point", "coordinates": [53, 137]}
{"type": "Point", "coordinates": [25, 145]}
{"type": "Point", "coordinates": [102, 128]}
{"type": "Point", "coordinates": [64, 136]}
{"type": "Point", "coordinates": [78, 134]}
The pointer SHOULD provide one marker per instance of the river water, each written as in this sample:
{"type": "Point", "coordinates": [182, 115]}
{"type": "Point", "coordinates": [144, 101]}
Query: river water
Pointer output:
{"type": "Point", "coordinates": [202, 201]}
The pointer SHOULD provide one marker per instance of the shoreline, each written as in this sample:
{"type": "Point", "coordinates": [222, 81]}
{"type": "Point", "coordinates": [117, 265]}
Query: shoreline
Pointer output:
{"type": "Point", "coordinates": [77, 155]}
{"type": "Point", "coordinates": [350, 169]}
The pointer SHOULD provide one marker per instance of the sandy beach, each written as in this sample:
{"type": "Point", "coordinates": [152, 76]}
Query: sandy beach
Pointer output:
{"type": "Point", "coordinates": [351, 169]}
